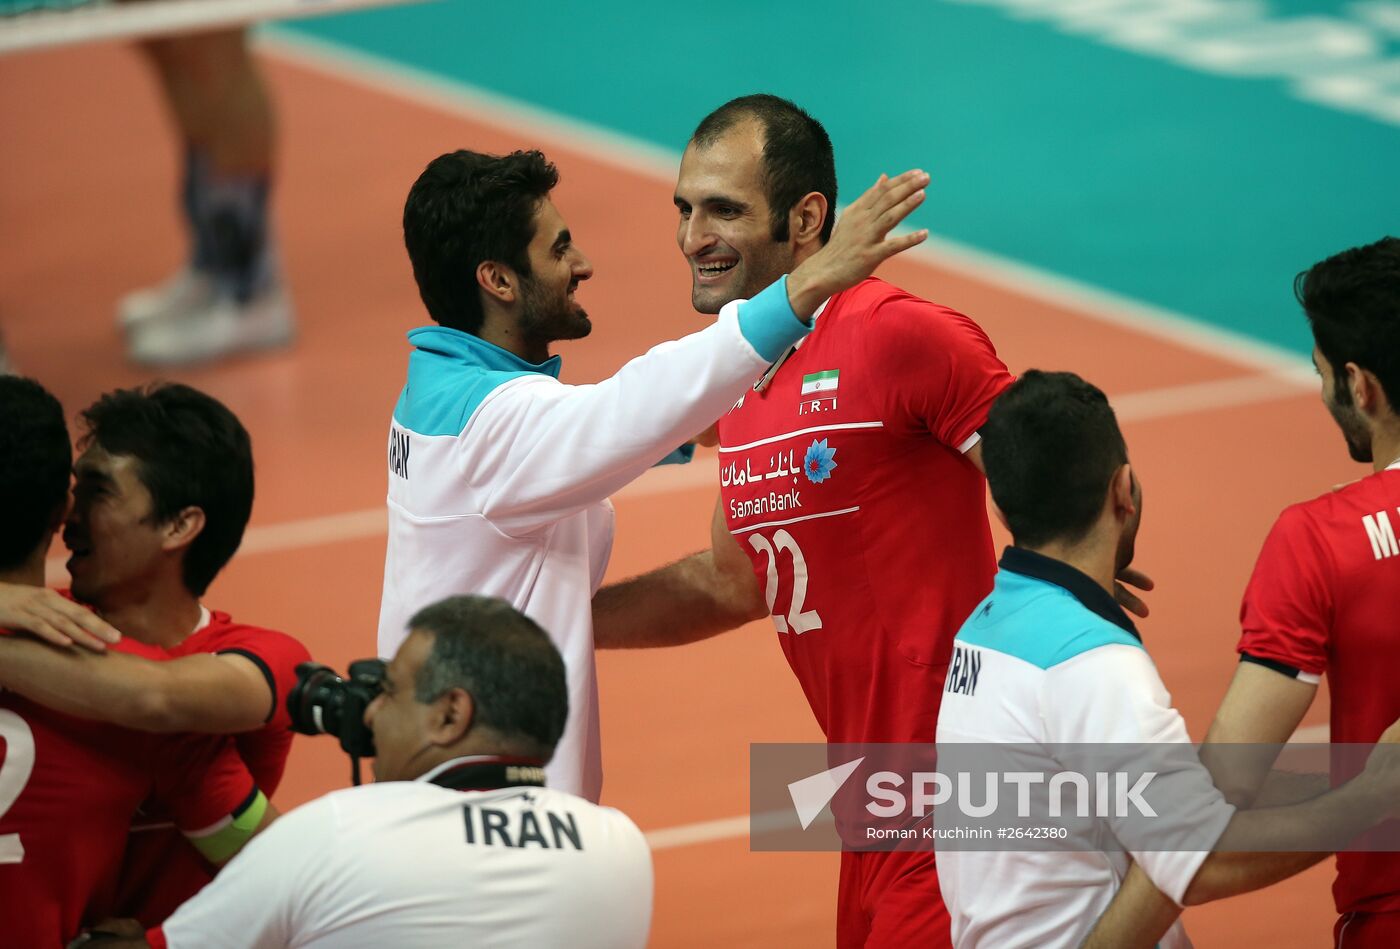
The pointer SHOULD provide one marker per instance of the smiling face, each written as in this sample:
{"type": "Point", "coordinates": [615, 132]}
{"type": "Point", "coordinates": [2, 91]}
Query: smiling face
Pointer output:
{"type": "Point", "coordinates": [725, 229]}
{"type": "Point", "coordinates": [1337, 397]}
{"type": "Point", "coordinates": [118, 548]}
{"type": "Point", "coordinates": [548, 311]}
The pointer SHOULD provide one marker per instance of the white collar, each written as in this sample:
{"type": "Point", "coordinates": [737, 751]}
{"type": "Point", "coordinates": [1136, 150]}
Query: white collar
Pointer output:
{"type": "Point", "coordinates": [453, 763]}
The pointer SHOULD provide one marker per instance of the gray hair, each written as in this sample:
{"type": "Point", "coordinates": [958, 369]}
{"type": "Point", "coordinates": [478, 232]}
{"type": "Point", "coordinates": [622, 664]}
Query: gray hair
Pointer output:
{"type": "Point", "coordinates": [503, 660]}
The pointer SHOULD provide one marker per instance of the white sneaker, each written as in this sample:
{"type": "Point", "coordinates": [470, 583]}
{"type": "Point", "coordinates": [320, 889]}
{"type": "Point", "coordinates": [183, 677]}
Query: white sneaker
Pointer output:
{"type": "Point", "coordinates": [184, 291]}
{"type": "Point", "coordinates": [220, 328]}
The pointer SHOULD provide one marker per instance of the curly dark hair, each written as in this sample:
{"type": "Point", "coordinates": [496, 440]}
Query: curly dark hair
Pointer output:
{"type": "Point", "coordinates": [191, 451]}
{"type": "Point", "coordinates": [1352, 300]}
{"type": "Point", "coordinates": [466, 208]}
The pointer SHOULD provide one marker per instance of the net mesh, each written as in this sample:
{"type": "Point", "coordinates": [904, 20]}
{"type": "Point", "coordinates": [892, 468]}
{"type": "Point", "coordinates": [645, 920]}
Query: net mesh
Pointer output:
{"type": "Point", "coordinates": [35, 24]}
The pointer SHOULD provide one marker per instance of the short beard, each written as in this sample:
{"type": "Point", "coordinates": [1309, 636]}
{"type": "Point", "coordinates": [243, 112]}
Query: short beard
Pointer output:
{"type": "Point", "coordinates": [545, 319]}
{"type": "Point", "coordinates": [761, 270]}
{"type": "Point", "coordinates": [1349, 420]}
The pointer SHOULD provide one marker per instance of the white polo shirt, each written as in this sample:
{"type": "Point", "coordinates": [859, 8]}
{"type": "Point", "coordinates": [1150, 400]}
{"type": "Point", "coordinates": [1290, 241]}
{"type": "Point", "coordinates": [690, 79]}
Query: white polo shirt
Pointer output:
{"type": "Point", "coordinates": [422, 865]}
{"type": "Point", "coordinates": [1051, 669]}
{"type": "Point", "coordinates": [499, 478]}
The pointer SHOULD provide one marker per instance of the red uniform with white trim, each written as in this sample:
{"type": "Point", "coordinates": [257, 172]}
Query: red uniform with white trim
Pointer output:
{"type": "Point", "coordinates": [161, 869]}
{"type": "Point", "coordinates": [69, 789]}
{"type": "Point", "coordinates": [843, 477]}
{"type": "Point", "coordinates": [1325, 597]}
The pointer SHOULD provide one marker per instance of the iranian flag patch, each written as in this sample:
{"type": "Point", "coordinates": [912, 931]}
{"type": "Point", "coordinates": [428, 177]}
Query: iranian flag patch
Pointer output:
{"type": "Point", "coordinates": [824, 381]}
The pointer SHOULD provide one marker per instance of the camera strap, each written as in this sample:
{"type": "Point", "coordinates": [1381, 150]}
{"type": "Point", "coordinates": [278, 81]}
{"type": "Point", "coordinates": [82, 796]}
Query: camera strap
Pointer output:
{"type": "Point", "coordinates": [489, 774]}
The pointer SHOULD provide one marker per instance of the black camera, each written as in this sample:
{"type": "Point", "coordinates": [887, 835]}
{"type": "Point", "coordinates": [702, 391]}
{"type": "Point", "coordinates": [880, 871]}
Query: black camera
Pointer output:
{"type": "Point", "coordinates": [322, 703]}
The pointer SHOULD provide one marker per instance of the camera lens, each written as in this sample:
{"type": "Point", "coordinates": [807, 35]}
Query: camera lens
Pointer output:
{"type": "Point", "coordinates": [322, 702]}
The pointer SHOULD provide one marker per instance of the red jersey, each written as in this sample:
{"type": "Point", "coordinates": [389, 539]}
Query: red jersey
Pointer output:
{"type": "Point", "coordinates": [161, 869]}
{"type": "Point", "coordinates": [1325, 597]}
{"type": "Point", "coordinates": [69, 789]}
{"type": "Point", "coordinates": [277, 655]}
{"type": "Point", "coordinates": [842, 476]}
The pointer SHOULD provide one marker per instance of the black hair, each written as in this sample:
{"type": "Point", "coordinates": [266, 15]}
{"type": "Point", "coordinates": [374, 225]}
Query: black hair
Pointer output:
{"type": "Point", "coordinates": [504, 661]}
{"type": "Point", "coordinates": [1352, 300]}
{"type": "Point", "coordinates": [1050, 446]}
{"type": "Point", "coordinates": [797, 154]}
{"type": "Point", "coordinates": [466, 208]}
{"type": "Point", "coordinates": [37, 461]}
{"type": "Point", "coordinates": [190, 451]}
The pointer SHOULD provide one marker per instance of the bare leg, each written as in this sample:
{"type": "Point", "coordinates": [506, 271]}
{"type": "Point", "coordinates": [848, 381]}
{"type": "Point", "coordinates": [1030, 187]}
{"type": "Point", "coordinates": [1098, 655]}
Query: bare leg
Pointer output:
{"type": "Point", "coordinates": [230, 297]}
{"type": "Point", "coordinates": [217, 98]}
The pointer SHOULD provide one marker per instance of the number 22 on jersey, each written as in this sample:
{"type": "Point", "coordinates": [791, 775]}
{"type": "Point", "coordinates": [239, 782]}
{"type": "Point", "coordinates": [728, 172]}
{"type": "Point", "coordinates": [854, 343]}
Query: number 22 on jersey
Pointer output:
{"type": "Point", "coordinates": [15, 769]}
{"type": "Point", "coordinates": [797, 620]}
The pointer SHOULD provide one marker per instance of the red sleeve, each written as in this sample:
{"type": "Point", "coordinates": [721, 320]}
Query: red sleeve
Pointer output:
{"type": "Point", "coordinates": [200, 780]}
{"type": "Point", "coordinates": [155, 938]}
{"type": "Point", "coordinates": [276, 655]}
{"type": "Point", "coordinates": [940, 372]}
{"type": "Point", "coordinates": [1286, 616]}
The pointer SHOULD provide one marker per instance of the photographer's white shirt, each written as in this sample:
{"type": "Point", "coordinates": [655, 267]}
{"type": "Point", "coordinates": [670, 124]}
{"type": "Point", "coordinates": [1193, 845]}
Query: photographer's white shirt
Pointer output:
{"type": "Point", "coordinates": [419, 865]}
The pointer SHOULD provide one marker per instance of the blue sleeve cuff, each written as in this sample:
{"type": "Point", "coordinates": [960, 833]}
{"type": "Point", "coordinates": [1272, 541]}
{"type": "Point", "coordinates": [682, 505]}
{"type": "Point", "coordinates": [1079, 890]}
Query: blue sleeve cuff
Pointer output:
{"type": "Point", "coordinates": [768, 323]}
{"type": "Point", "coordinates": [680, 456]}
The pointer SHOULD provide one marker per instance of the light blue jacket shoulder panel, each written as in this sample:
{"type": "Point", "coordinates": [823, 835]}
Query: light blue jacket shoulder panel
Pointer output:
{"type": "Point", "coordinates": [1038, 622]}
{"type": "Point", "coordinates": [450, 373]}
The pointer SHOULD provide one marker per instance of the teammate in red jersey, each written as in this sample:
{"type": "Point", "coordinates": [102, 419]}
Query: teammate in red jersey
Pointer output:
{"type": "Point", "coordinates": [163, 491]}
{"type": "Point", "coordinates": [69, 788]}
{"type": "Point", "coordinates": [1326, 589]}
{"type": "Point", "coordinates": [852, 502]}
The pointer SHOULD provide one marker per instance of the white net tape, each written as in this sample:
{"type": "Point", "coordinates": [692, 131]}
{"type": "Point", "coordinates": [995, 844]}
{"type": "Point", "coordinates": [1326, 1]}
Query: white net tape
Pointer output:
{"type": "Point", "coordinates": [48, 26]}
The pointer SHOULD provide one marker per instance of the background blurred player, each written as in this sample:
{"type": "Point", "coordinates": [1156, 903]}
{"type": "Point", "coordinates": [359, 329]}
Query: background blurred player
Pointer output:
{"type": "Point", "coordinates": [1325, 589]}
{"type": "Point", "coordinates": [69, 788]}
{"type": "Point", "coordinates": [230, 295]}
{"type": "Point", "coordinates": [499, 475]}
{"type": "Point", "coordinates": [457, 843]}
{"type": "Point", "coordinates": [163, 493]}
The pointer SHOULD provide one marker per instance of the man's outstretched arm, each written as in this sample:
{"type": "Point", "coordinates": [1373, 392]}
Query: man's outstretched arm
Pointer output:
{"type": "Point", "coordinates": [692, 599]}
{"type": "Point", "coordinates": [209, 693]}
{"type": "Point", "coordinates": [1261, 707]}
{"type": "Point", "coordinates": [1137, 918]}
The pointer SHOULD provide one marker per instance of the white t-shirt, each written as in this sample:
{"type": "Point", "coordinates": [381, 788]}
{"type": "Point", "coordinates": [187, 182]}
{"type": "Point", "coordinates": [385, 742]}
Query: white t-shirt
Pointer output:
{"type": "Point", "coordinates": [413, 865]}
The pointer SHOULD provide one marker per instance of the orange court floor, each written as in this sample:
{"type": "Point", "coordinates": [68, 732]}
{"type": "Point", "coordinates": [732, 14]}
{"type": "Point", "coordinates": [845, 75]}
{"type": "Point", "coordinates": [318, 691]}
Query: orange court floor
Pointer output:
{"type": "Point", "coordinates": [1222, 439]}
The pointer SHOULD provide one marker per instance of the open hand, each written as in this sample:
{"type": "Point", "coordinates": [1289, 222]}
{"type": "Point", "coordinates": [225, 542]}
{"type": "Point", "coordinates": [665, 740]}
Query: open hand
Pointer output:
{"type": "Point", "coordinates": [53, 618]}
{"type": "Point", "coordinates": [859, 242]}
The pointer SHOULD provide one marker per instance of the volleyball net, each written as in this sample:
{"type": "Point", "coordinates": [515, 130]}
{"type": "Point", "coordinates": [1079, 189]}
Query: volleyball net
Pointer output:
{"type": "Point", "coordinates": [39, 24]}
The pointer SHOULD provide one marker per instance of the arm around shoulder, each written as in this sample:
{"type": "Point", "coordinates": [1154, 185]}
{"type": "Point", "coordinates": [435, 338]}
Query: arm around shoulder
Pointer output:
{"type": "Point", "coordinates": [201, 693]}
